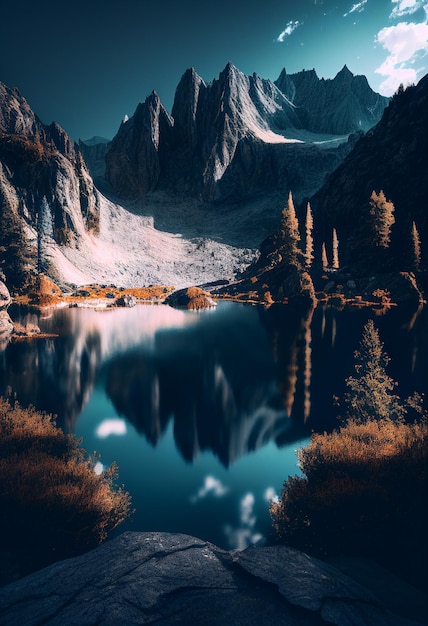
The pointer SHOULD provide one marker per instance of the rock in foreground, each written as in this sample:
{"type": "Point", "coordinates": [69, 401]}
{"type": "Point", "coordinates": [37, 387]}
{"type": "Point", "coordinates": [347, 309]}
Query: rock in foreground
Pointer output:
{"type": "Point", "coordinates": [163, 578]}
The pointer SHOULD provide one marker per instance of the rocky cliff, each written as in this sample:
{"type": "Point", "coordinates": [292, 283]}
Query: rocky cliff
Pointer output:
{"type": "Point", "coordinates": [94, 152]}
{"type": "Point", "coordinates": [390, 157]}
{"type": "Point", "coordinates": [241, 135]}
{"type": "Point", "coordinates": [45, 187]}
{"type": "Point", "coordinates": [339, 106]}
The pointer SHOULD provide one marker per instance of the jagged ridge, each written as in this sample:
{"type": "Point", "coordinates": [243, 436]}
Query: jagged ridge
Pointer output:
{"type": "Point", "coordinates": [238, 134]}
{"type": "Point", "coordinates": [38, 161]}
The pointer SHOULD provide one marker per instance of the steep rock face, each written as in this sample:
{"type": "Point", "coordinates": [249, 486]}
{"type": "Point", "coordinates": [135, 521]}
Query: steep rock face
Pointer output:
{"type": "Point", "coordinates": [134, 160]}
{"type": "Point", "coordinates": [40, 166]}
{"type": "Point", "coordinates": [16, 116]}
{"type": "Point", "coordinates": [237, 136]}
{"type": "Point", "coordinates": [94, 152]}
{"type": "Point", "coordinates": [338, 106]}
{"type": "Point", "coordinates": [391, 157]}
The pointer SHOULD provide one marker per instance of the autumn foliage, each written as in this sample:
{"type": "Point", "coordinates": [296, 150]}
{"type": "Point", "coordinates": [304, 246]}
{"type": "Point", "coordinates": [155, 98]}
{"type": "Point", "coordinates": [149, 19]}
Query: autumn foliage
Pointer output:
{"type": "Point", "coordinates": [364, 485]}
{"type": "Point", "coordinates": [52, 503]}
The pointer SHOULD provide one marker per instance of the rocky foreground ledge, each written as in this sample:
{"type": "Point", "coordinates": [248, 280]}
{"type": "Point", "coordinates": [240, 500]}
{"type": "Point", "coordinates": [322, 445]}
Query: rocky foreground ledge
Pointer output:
{"type": "Point", "coordinates": [162, 578]}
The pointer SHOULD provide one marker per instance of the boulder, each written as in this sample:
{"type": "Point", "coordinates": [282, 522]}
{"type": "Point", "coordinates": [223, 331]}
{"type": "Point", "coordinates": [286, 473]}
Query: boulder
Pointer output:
{"type": "Point", "coordinates": [191, 298]}
{"type": "Point", "coordinates": [127, 300]}
{"type": "Point", "coordinates": [5, 298]}
{"type": "Point", "coordinates": [400, 287]}
{"type": "Point", "coordinates": [164, 578]}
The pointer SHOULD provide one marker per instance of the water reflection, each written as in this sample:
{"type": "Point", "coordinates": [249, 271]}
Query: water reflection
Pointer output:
{"type": "Point", "coordinates": [229, 381]}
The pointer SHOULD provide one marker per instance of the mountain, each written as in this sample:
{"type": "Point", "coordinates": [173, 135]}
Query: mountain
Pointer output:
{"type": "Point", "coordinates": [338, 106]}
{"type": "Point", "coordinates": [44, 182]}
{"type": "Point", "coordinates": [240, 135]}
{"type": "Point", "coordinates": [238, 141]}
{"type": "Point", "coordinates": [370, 214]}
{"type": "Point", "coordinates": [94, 151]}
{"type": "Point", "coordinates": [391, 157]}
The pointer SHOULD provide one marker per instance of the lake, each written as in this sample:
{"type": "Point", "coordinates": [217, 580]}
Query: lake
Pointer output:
{"type": "Point", "coordinates": [202, 411]}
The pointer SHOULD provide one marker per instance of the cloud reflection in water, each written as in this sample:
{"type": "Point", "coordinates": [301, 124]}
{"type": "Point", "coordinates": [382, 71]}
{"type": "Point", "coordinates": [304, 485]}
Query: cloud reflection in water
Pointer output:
{"type": "Point", "coordinates": [112, 426]}
{"type": "Point", "coordinates": [212, 486]}
{"type": "Point", "coordinates": [244, 536]}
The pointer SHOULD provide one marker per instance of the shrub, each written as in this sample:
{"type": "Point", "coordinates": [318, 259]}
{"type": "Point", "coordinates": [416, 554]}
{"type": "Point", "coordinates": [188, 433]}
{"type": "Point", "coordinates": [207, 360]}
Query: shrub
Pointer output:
{"type": "Point", "coordinates": [52, 503]}
{"type": "Point", "coordinates": [363, 492]}
{"type": "Point", "coordinates": [364, 485]}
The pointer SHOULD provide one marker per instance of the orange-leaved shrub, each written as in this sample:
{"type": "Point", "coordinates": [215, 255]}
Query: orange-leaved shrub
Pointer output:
{"type": "Point", "coordinates": [52, 503]}
{"type": "Point", "coordinates": [363, 490]}
{"type": "Point", "coordinates": [364, 485]}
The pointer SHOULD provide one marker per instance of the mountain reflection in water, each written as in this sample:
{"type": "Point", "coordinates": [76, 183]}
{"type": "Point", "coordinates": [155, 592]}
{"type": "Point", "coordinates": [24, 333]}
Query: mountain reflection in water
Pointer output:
{"type": "Point", "coordinates": [202, 411]}
{"type": "Point", "coordinates": [229, 380]}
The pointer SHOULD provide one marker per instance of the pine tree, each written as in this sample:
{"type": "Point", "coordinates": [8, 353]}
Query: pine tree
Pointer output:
{"type": "Point", "coordinates": [370, 394]}
{"type": "Point", "coordinates": [17, 258]}
{"type": "Point", "coordinates": [324, 259]}
{"type": "Point", "coordinates": [368, 247]}
{"type": "Point", "coordinates": [416, 249]}
{"type": "Point", "coordinates": [382, 218]}
{"type": "Point", "coordinates": [309, 247]}
{"type": "Point", "coordinates": [289, 235]}
{"type": "Point", "coordinates": [335, 250]}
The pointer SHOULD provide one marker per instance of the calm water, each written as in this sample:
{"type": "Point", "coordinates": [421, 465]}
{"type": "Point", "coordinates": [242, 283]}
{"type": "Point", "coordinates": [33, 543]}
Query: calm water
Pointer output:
{"type": "Point", "coordinates": [202, 411]}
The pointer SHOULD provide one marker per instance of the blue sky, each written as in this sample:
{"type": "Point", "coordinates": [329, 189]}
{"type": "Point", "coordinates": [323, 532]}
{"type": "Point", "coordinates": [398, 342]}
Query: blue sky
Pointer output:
{"type": "Point", "coordinates": [87, 63]}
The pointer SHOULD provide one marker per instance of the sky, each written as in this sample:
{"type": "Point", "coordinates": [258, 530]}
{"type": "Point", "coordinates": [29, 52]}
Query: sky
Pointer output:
{"type": "Point", "coordinates": [87, 63]}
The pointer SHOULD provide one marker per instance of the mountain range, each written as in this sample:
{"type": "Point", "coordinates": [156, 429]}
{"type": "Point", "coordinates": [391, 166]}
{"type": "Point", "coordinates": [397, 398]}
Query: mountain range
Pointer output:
{"type": "Point", "coordinates": [239, 135]}
{"type": "Point", "coordinates": [218, 170]}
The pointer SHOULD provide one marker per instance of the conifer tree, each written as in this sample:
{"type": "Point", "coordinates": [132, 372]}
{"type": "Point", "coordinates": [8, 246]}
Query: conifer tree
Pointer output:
{"type": "Point", "coordinates": [371, 388]}
{"type": "Point", "coordinates": [416, 249]}
{"type": "Point", "coordinates": [289, 235]}
{"type": "Point", "coordinates": [335, 263]}
{"type": "Point", "coordinates": [382, 218]}
{"type": "Point", "coordinates": [324, 260]}
{"type": "Point", "coordinates": [309, 243]}
{"type": "Point", "coordinates": [368, 247]}
{"type": "Point", "coordinates": [16, 255]}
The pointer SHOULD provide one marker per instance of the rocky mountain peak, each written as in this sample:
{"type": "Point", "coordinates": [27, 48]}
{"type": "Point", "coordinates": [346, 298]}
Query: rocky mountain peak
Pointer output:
{"type": "Point", "coordinates": [217, 125]}
{"type": "Point", "coordinates": [186, 101]}
{"type": "Point", "coordinates": [42, 170]}
{"type": "Point", "coordinates": [344, 73]}
{"type": "Point", "coordinates": [16, 116]}
{"type": "Point", "coordinates": [333, 106]}
{"type": "Point", "coordinates": [62, 141]}
{"type": "Point", "coordinates": [134, 155]}
{"type": "Point", "coordinates": [229, 71]}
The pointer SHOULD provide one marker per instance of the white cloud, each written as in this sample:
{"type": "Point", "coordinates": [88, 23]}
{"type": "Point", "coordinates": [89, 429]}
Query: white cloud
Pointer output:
{"type": "Point", "coordinates": [406, 7]}
{"type": "Point", "coordinates": [405, 43]}
{"type": "Point", "coordinates": [290, 28]}
{"type": "Point", "coordinates": [270, 494]}
{"type": "Point", "coordinates": [359, 7]}
{"type": "Point", "coordinates": [211, 486]}
{"type": "Point", "coordinates": [114, 426]}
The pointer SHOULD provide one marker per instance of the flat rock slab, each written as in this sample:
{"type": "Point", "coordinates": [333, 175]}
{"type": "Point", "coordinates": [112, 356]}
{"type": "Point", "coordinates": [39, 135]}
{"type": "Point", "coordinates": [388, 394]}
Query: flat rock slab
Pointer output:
{"type": "Point", "coordinates": [163, 578]}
